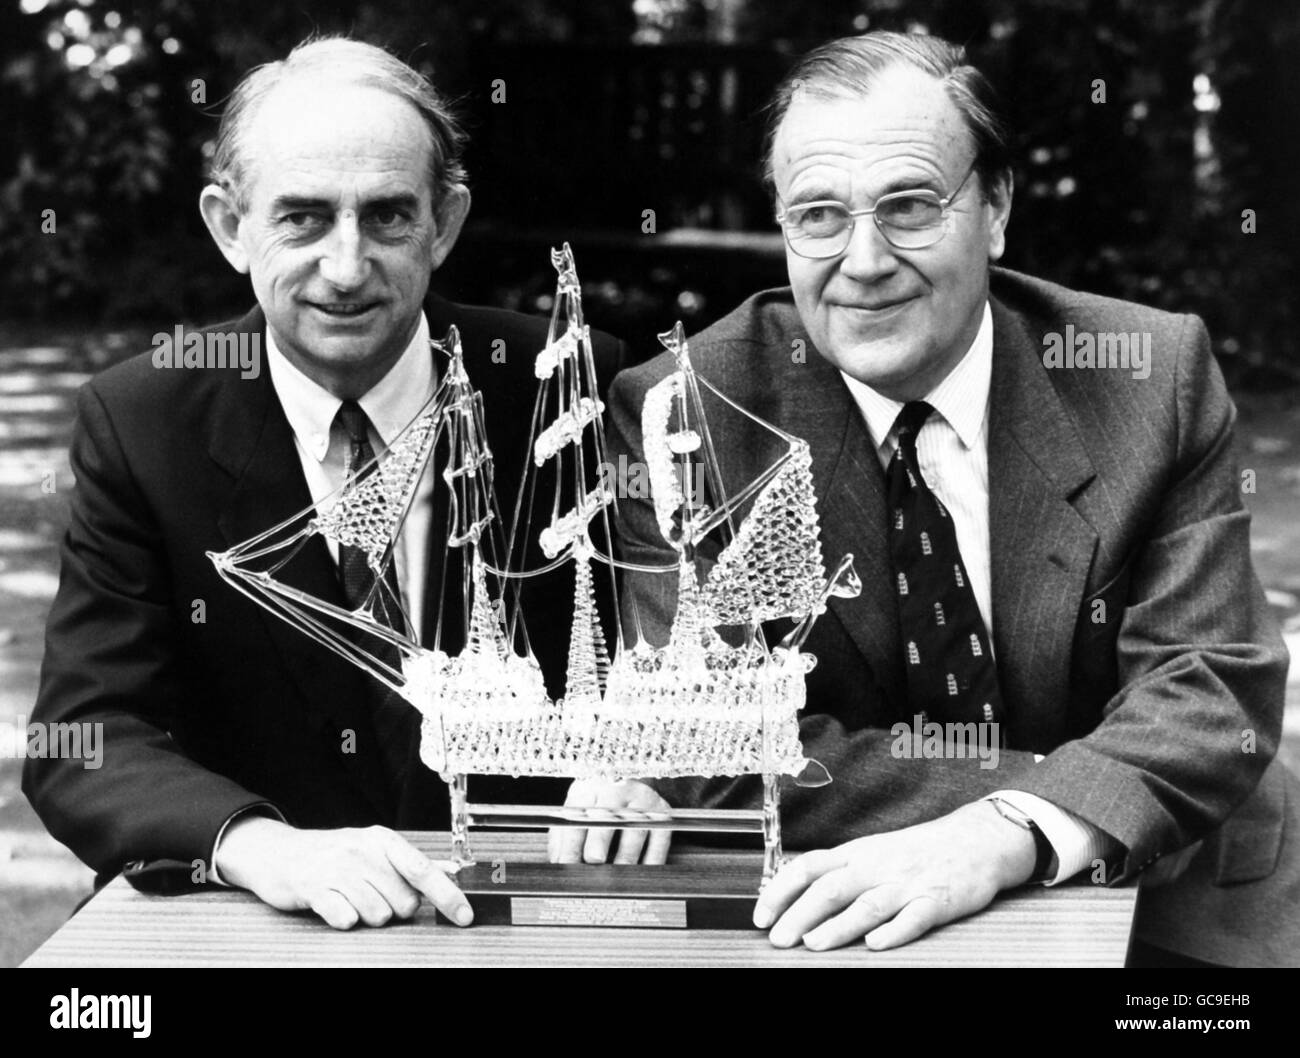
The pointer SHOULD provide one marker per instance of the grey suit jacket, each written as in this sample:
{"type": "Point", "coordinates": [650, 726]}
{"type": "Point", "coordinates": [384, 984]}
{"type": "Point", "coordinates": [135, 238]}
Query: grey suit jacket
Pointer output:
{"type": "Point", "coordinates": [1134, 645]}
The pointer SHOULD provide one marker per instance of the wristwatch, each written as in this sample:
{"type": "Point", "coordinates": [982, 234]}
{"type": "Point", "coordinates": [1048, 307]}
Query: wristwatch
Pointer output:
{"type": "Point", "coordinates": [1043, 847]}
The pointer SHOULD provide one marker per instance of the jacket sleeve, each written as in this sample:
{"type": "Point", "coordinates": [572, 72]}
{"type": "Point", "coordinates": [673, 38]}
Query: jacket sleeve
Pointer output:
{"type": "Point", "coordinates": [1202, 669]}
{"type": "Point", "coordinates": [112, 661]}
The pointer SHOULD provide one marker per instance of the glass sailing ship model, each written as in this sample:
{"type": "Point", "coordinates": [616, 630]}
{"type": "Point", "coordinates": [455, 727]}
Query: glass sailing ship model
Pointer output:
{"type": "Point", "coordinates": [707, 703]}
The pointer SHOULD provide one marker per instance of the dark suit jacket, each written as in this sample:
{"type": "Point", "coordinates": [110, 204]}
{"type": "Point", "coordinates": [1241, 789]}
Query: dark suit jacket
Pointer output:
{"type": "Point", "coordinates": [1108, 495]}
{"type": "Point", "coordinates": [202, 720]}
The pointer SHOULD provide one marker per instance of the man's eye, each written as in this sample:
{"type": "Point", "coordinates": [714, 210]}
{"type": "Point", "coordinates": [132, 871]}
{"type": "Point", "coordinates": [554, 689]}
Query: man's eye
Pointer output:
{"type": "Point", "coordinates": [302, 220]}
{"type": "Point", "coordinates": [910, 210]}
{"type": "Point", "coordinates": [388, 218]}
{"type": "Point", "coordinates": [819, 219]}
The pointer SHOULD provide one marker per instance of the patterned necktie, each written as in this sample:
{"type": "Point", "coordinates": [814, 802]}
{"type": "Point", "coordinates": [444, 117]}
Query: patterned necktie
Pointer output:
{"type": "Point", "coordinates": [951, 676]}
{"type": "Point", "coordinates": [392, 716]}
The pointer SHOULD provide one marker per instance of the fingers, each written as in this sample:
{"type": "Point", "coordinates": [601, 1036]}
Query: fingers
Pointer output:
{"type": "Point", "coordinates": [565, 844]}
{"type": "Point", "coordinates": [918, 917]}
{"type": "Point", "coordinates": [402, 898]}
{"type": "Point", "coordinates": [335, 909]}
{"type": "Point", "coordinates": [592, 845]}
{"type": "Point", "coordinates": [649, 846]}
{"type": "Point", "coordinates": [790, 881]}
{"type": "Point", "coordinates": [630, 844]}
{"type": "Point", "coordinates": [826, 896]}
{"type": "Point", "coordinates": [596, 848]}
{"type": "Point", "coordinates": [657, 850]}
{"type": "Point", "coordinates": [370, 907]}
{"type": "Point", "coordinates": [865, 913]}
{"type": "Point", "coordinates": [375, 875]}
{"type": "Point", "coordinates": [443, 894]}
{"type": "Point", "coordinates": [554, 844]}
{"type": "Point", "coordinates": [348, 876]}
{"type": "Point", "coordinates": [628, 794]}
{"type": "Point", "coordinates": [422, 874]}
{"type": "Point", "coordinates": [891, 888]}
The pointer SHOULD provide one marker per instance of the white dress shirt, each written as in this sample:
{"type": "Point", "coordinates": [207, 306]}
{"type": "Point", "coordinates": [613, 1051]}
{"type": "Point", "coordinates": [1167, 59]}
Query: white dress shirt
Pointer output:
{"type": "Point", "coordinates": [952, 450]}
{"type": "Point", "coordinates": [323, 449]}
{"type": "Point", "coordinates": [323, 446]}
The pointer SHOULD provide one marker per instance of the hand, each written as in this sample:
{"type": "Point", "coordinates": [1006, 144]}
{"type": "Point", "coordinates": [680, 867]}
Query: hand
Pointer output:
{"type": "Point", "coordinates": [575, 845]}
{"type": "Point", "coordinates": [344, 876]}
{"type": "Point", "coordinates": [895, 887]}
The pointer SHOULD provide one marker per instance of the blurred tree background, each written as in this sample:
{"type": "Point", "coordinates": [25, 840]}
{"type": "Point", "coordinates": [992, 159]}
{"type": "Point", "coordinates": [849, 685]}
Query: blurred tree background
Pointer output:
{"type": "Point", "coordinates": [1145, 129]}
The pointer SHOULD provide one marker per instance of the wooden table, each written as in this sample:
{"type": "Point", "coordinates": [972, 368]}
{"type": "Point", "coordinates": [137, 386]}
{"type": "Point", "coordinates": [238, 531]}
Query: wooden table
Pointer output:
{"type": "Point", "coordinates": [1073, 925]}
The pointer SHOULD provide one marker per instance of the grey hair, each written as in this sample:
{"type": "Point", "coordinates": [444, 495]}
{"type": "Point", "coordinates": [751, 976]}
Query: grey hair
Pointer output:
{"type": "Point", "coordinates": [848, 67]}
{"type": "Point", "coordinates": [343, 61]}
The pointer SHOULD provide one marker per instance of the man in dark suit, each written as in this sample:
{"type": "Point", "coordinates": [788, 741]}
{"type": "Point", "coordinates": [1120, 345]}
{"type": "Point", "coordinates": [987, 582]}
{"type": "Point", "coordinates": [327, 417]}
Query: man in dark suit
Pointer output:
{"type": "Point", "coordinates": [1115, 639]}
{"type": "Point", "coordinates": [235, 749]}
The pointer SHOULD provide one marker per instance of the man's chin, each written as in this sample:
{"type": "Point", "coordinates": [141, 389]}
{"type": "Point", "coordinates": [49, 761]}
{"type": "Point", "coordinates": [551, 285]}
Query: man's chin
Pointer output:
{"type": "Point", "coordinates": [342, 349]}
{"type": "Point", "coordinates": [350, 350]}
{"type": "Point", "coordinates": [882, 364]}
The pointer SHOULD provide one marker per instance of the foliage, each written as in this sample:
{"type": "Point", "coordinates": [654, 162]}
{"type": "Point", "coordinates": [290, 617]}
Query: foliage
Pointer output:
{"type": "Point", "coordinates": [654, 102]}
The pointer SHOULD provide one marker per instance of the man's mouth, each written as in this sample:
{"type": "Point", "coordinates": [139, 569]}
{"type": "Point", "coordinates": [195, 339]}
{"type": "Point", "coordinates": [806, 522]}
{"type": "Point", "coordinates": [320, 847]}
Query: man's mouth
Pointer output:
{"type": "Point", "coordinates": [877, 306]}
{"type": "Point", "coordinates": [343, 310]}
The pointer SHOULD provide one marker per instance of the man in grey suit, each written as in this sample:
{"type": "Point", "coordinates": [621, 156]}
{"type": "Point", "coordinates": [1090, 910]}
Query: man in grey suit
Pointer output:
{"type": "Point", "coordinates": [1097, 532]}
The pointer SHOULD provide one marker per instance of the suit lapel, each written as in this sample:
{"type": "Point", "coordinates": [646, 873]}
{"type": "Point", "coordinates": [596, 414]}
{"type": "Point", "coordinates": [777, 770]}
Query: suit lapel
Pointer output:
{"type": "Point", "coordinates": [851, 500]}
{"type": "Point", "coordinates": [1042, 547]}
{"type": "Point", "coordinates": [251, 440]}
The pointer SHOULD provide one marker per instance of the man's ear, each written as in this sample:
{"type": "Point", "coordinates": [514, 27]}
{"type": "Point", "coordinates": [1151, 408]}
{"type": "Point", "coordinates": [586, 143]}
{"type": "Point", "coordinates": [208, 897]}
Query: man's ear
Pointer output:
{"type": "Point", "coordinates": [222, 218]}
{"type": "Point", "coordinates": [449, 215]}
{"type": "Point", "coordinates": [998, 209]}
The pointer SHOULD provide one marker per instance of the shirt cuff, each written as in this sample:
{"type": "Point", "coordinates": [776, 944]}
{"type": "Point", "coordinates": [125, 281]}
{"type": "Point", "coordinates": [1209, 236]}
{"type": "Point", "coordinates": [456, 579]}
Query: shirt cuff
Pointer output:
{"type": "Point", "coordinates": [1076, 842]}
{"type": "Point", "coordinates": [265, 808]}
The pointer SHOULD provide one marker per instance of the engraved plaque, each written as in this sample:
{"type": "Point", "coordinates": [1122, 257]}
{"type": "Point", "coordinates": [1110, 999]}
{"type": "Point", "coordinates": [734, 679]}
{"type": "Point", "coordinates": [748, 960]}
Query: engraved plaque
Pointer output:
{"type": "Point", "coordinates": [610, 896]}
{"type": "Point", "coordinates": [597, 911]}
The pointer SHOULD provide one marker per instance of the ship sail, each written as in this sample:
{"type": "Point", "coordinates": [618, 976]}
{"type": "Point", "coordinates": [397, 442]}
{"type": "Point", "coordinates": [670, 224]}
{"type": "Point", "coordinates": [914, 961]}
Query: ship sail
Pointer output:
{"type": "Point", "coordinates": [773, 566]}
{"type": "Point", "coordinates": [745, 698]}
{"type": "Point", "coordinates": [368, 512]}
{"type": "Point", "coordinates": [698, 705]}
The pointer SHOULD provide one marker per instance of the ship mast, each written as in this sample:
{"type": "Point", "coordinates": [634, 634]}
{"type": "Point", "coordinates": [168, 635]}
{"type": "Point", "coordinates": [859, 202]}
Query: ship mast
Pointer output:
{"type": "Point", "coordinates": [567, 450]}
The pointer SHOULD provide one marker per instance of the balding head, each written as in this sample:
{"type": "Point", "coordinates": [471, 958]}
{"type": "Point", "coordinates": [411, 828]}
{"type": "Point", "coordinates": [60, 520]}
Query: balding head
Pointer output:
{"type": "Point", "coordinates": [337, 190]}
{"type": "Point", "coordinates": [322, 66]}
{"type": "Point", "coordinates": [849, 68]}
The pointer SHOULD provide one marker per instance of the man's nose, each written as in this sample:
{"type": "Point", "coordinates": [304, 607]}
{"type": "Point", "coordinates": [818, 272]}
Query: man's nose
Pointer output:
{"type": "Point", "coordinates": [869, 255]}
{"type": "Point", "coordinates": [344, 263]}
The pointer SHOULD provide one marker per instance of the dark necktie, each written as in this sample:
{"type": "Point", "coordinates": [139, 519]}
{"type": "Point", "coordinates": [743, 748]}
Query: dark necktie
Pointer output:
{"type": "Point", "coordinates": [951, 676]}
{"type": "Point", "coordinates": [393, 718]}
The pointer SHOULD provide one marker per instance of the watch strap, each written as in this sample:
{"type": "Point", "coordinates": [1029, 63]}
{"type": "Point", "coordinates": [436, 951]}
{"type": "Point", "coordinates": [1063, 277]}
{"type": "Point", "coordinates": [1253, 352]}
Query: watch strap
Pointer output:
{"type": "Point", "coordinates": [1043, 851]}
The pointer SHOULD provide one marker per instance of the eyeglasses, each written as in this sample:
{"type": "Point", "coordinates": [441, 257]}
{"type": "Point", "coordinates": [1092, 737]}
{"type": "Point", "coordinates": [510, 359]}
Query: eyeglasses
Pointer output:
{"type": "Point", "coordinates": [909, 220]}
